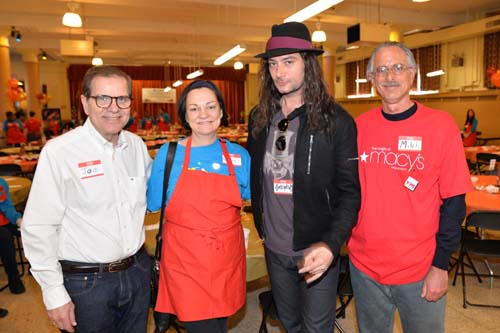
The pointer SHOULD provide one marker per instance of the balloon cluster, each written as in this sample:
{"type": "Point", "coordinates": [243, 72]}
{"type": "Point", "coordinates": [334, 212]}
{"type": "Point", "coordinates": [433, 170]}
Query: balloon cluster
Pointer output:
{"type": "Point", "coordinates": [494, 75]}
{"type": "Point", "coordinates": [43, 98]}
{"type": "Point", "coordinates": [15, 92]}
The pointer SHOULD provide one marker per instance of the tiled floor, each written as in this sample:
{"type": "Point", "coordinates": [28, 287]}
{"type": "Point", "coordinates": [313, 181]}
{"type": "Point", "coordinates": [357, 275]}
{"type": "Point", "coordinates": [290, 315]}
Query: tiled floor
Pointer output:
{"type": "Point", "coordinates": [27, 314]}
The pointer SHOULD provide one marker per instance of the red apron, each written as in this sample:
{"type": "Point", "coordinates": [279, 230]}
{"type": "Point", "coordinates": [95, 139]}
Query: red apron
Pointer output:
{"type": "Point", "coordinates": [203, 266]}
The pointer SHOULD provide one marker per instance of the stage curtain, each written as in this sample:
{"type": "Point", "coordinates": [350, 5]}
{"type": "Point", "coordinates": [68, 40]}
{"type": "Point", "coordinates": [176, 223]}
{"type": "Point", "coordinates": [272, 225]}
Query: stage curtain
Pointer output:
{"type": "Point", "coordinates": [230, 82]}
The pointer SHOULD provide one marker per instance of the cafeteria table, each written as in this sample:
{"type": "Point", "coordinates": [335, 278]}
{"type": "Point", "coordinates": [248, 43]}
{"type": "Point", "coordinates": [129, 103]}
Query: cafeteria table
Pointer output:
{"type": "Point", "coordinates": [19, 188]}
{"type": "Point", "coordinates": [26, 162]}
{"type": "Point", "coordinates": [481, 199]}
{"type": "Point", "coordinates": [471, 152]}
{"type": "Point", "coordinates": [256, 264]}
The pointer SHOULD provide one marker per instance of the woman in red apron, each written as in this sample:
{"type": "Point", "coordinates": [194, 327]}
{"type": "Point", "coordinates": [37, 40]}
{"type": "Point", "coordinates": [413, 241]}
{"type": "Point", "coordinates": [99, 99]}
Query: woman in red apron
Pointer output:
{"type": "Point", "coordinates": [202, 274]}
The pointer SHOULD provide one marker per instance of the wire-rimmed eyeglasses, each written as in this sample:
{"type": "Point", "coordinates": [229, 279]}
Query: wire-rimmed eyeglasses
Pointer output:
{"type": "Point", "coordinates": [280, 143]}
{"type": "Point", "coordinates": [396, 69]}
{"type": "Point", "coordinates": [105, 101]}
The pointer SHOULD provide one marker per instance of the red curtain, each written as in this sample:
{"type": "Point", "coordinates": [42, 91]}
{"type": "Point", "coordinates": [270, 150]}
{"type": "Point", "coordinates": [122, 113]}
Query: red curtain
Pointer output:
{"type": "Point", "coordinates": [491, 55]}
{"type": "Point", "coordinates": [230, 82]}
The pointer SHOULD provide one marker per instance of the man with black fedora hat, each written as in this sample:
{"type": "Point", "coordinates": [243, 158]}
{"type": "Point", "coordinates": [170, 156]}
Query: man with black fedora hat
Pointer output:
{"type": "Point", "coordinates": [304, 179]}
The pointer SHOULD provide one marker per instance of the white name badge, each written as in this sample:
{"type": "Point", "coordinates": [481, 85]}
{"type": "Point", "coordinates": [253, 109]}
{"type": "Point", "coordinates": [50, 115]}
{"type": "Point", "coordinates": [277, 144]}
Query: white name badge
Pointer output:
{"type": "Point", "coordinates": [411, 183]}
{"type": "Point", "coordinates": [410, 143]}
{"type": "Point", "coordinates": [283, 186]}
{"type": "Point", "coordinates": [235, 158]}
{"type": "Point", "coordinates": [91, 169]}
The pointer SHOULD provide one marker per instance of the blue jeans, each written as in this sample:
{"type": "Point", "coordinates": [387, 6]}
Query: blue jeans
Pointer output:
{"type": "Point", "coordinates": [115, 302]}
{"type": "Point", "coordinates": [302, 307]}
{"type": "Point", "coordinates": [376, 304]}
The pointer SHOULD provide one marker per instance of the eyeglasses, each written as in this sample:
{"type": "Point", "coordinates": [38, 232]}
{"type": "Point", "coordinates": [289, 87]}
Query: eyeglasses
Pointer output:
{"type": "Point", "coordinates": [105, 101]}
{"type": "Point", "coordinates": [280, 143]}
{"type": "Point", "coordinates": [396, 69]}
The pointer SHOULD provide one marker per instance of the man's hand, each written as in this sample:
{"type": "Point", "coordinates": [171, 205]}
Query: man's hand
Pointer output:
{"type": "Point", "coordinates": [435, 284]}
{"type": "Point", "coordinates": [63, 317]}
{"type": "Point", "coordinates": [317, 259]}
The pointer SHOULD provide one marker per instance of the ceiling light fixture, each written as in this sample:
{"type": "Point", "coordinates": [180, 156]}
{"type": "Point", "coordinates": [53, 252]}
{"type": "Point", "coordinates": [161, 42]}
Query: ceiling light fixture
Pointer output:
{"type": "Point", "coordinates": [195, 74]}
{"type": "Point", "coordinates": [179, 82]}
{"type": "Point", "coordinates": [96, 61]}
{"type": "Point", "coordinates": [229, 54]}
{"type": "Point", "coordinates": [318, 36]}
{"type": "Point", "coordinates": [238, 65]}
{"type": "Point", "coordinates": [14, 33]}
{"type": "Point", "coordinates": [71, 18]}
{"type": "Point", "coordinates": [421, 0]}
{"type": "Point", "coordinates": [43, 55]}
{"type": "Point", "coordinates": [167, 77]}
{"type": "Point", "coordinates": [312, 10]}
{"type": "Point", "coordinates": [435, 73]}
{"type": "Point", "coordinates": [436, 62]}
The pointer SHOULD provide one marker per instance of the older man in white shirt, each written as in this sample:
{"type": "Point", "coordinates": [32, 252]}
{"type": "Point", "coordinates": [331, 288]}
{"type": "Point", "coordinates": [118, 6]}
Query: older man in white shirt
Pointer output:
{"type": "Point", "coordinates": [83, 224]}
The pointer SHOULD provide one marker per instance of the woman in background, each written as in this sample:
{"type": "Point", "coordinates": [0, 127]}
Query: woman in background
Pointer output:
{"type": "Point", "coordinates": [470, 129]}
{"type": "Point", "coordinates": [203, 272]}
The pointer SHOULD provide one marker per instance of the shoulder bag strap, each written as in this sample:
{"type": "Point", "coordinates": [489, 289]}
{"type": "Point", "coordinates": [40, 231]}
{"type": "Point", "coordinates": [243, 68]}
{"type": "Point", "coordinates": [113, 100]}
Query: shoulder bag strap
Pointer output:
{"type": "Point", "coordinates": [168, 166]}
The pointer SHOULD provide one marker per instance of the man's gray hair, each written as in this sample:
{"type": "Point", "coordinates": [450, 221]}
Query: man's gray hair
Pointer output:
{"type": "Point", "coordinates": [409, 56]}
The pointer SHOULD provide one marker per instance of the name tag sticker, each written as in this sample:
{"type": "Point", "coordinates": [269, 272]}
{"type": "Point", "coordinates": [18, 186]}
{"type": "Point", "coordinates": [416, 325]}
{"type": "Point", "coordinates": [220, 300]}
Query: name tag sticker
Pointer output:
{"type": "Point", "coordinates": [235, 158]}
{"type": "Point", "coordinates": [411, 183]}
{"type": "Point", "coordinates": [90, 169]}
{"type": "Point", "coordinates": [283, 186]}
{"type": "Point", "coordinates": [410, 143]}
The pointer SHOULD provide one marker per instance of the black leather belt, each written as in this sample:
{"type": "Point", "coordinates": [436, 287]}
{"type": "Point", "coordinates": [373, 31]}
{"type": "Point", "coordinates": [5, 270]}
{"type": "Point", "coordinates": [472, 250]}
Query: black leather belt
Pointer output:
{"type": "Point", "coordinates": [115, 266]}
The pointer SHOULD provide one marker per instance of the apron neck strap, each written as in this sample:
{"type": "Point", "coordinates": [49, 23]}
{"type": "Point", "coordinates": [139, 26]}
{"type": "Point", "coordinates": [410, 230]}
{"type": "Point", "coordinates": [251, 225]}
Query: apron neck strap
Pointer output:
{"type": "Point", "coordinates": [224, 152]}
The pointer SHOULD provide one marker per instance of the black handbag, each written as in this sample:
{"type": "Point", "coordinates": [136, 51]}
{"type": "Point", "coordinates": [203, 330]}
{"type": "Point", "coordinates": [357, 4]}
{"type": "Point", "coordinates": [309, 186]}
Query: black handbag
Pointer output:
{"type": "Point", "coordinates": [162, 320]}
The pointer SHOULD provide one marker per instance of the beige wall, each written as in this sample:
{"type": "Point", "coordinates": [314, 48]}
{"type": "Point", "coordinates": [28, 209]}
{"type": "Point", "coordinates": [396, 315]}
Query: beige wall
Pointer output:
{"type": "Point", "coordinates": [53, 74]}
{"type": "Point", "coordinates": [485, 104]}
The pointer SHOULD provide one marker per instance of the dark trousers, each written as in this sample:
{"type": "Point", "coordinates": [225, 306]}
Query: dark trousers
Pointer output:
{"type": "Point", "coordinates": [8, 252]}
{"type": "Point", "coordinates": [215, 325]}
{"type": "Point", "coordinates": [302, 307]}
{"type": "Point", "coordinates": [115, 302]}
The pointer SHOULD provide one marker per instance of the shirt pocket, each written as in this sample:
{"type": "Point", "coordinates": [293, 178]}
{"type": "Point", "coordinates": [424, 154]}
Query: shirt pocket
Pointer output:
{"type": "Point", "coordinates": [136, 190]}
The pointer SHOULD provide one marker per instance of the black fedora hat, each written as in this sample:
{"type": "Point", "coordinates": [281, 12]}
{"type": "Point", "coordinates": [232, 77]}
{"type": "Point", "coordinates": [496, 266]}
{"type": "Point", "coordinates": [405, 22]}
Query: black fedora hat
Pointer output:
{"type": "Point", "coordinates": [289, 37]}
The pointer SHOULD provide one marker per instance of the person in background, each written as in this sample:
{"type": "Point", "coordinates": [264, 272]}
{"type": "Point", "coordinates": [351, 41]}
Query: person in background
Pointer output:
{"type": "Point", "coordinates": [305, 187]}
{"type": "Point", "coordinates": [413, 184]}
{"type": "Point", "coordinates": [148, 122]}
{"type": "Point", "coordinates": [9, 221]}
{"type": "Point", "coordinates": [33, 127]}
{"type": "Point", "coordinates": [13, 130]}
{"type": "Point", "coordinates": [203, 263]}
{"type": "Point", "coordinates": [163, 121]}
{"type": "Point", "coordinates": [132, 123]}
{"type": "Point", "coordinates": [83, 227]}
{"type": "Point", "coordinates": [470, 129]}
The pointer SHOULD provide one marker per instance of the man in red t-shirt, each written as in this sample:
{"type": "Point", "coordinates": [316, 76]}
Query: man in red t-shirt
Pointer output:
{"type": "Point", "coordinates": [413, 177]}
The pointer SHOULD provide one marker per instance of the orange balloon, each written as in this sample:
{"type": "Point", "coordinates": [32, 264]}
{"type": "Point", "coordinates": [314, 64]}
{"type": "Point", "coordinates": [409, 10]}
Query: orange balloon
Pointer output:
{"type": "Point", "coordinates": [13, 95]}
{"type": "Point", "coordinates": [491, 70]}
{"type": "Point", "coordinates": [13, 83]}
{"type": "Point", "coordinates": [495, 79]}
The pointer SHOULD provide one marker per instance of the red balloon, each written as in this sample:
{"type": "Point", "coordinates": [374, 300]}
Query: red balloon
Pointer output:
{"type": "Point", "coordinates": [495, 79]}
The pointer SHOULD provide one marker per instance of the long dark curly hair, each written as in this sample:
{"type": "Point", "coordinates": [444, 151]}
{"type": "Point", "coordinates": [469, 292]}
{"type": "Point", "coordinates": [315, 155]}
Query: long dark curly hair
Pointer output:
{"type": "Point", "coordinates": [318, 101]}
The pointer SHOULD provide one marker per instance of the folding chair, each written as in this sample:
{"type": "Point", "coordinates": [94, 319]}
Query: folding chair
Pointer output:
{"type": "Point", "coordinates": [11, 169]}
{"type": "Point", "coordinates": [21, 261]}
{"type": "Point", "coordinates": [477, 245]}
{"type": "Point", "coordinates": [483, 163]}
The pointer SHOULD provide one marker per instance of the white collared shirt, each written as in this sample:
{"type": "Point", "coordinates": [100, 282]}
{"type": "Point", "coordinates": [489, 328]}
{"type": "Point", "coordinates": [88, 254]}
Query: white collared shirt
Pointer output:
{"type": "Point", "coordinates": [87, 203]}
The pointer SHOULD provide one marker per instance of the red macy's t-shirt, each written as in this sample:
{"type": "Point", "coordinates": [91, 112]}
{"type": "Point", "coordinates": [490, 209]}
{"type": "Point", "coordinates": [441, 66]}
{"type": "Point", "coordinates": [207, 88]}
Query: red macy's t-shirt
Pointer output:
{"type": "Point", "coordinates": [406, 168]}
